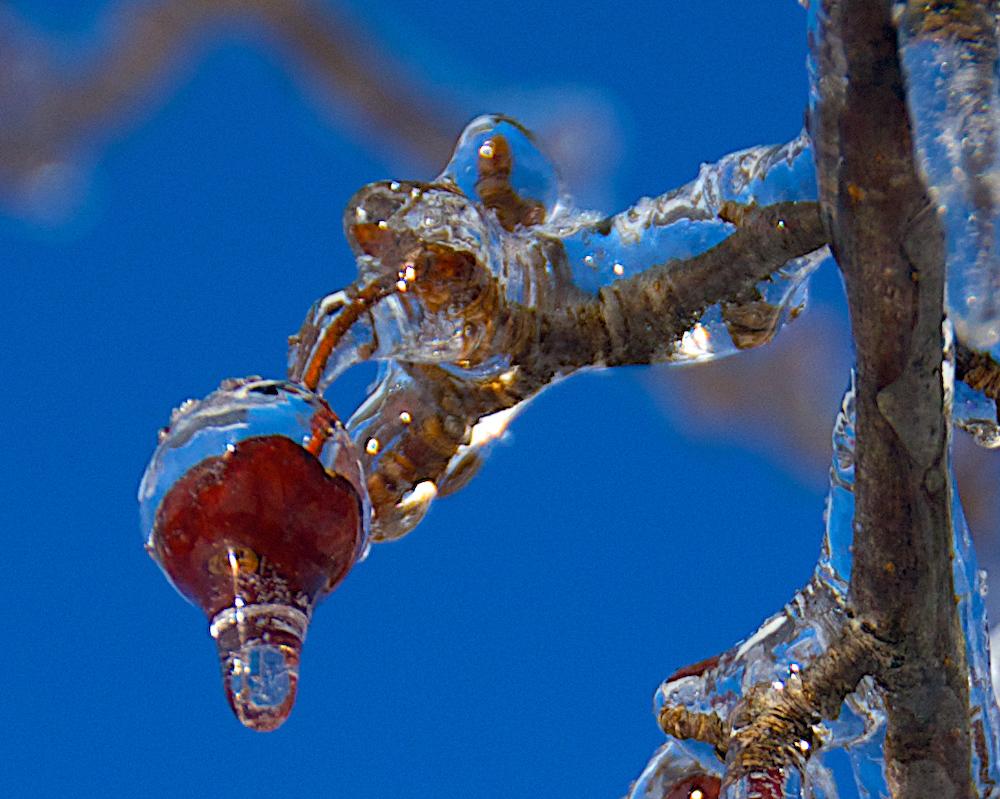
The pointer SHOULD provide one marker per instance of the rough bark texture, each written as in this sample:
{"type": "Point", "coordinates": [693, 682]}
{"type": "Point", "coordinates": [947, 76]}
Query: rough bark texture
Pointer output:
{"type": "Point", "coordinates": [889, 245]}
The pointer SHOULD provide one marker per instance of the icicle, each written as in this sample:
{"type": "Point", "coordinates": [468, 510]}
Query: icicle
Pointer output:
{"type": "Point", "coordinates": [949, 55]}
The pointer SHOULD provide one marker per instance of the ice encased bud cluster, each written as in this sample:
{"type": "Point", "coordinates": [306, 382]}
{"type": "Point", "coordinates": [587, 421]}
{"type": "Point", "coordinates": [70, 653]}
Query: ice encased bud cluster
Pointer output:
{"type": "Point", "coordinates": [783, 647]}
{"type": "Point", "coordinates": [444, 267]}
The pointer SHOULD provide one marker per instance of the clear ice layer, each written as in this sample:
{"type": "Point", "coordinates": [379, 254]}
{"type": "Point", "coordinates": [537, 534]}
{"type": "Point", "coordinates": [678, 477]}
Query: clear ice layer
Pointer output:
{"type": "Point", "coordinates": [405, 425]}
{"type": "Point", "coordinates": [511, 146]}
{"type": "Point", "coordinates": [786, 643]}
{"type": "Point", "coordinates": [784, 646]}
{"type": "Point", "coordinates": [949, 55]}
{"type": "Point", "coordinates": [677, 770]}
{"type": "Point", "coordinates": [239, 410]}
{"type": "Point", "coordinates": [834, 566]}
{"type": "Point", "coordinates": [977, 415]}
{"type": "Point", "coordinates": [691, 220]}
{"type": "Point", "coordinates": [255, 508]}
{"type": "Point", "coordinates": [970, 587]}
{"type": "Point", "coordinates": [458, 280]}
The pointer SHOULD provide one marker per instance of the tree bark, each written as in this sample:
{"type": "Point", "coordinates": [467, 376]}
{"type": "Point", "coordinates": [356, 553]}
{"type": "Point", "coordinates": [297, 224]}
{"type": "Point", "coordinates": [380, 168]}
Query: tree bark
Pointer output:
{"type": "Point", "coordinates": [889, 244]}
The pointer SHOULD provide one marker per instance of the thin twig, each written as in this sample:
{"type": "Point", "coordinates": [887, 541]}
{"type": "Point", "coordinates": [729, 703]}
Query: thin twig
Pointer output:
{"type": "Point", "coordinates": [683, 724]}
{"type": "Point", "coordinates": [774, 726]}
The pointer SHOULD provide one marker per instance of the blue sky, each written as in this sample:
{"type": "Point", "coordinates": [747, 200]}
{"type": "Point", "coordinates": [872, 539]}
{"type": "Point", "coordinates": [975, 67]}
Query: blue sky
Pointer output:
{"type": "Point", "coordinates": [511, 645]}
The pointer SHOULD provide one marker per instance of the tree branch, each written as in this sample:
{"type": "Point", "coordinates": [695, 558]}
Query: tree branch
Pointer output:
{"type": "Point", "coordinates": [774, 725]}
{"type": "Point", "coordinates": [639, 319]}
{"type": "Point", "coordinates": [978, 371]}
{"type": "Point", "coordinates": [889, 245]}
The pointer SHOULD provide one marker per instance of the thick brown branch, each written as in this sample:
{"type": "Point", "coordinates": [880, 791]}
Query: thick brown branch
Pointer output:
{"type": "Point", "coordinates": [889, 245]}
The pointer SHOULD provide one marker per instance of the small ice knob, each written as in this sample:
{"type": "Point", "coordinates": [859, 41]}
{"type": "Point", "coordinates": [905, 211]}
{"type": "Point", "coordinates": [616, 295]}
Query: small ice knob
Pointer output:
{"type": "Point", "coordinates": [259, 651]}
{"type": "Point", "coordinates": [497, 163]}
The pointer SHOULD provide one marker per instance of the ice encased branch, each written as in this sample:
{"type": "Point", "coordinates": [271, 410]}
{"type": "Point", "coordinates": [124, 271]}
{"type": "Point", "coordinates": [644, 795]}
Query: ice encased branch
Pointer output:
{"type": "Point", "coordinates": [481, 288]}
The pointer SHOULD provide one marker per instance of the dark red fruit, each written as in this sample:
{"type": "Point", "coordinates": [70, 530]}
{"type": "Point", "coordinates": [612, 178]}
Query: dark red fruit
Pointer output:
{"type": "Point", "coordinates": [768, 784]}
{"type": "Point", "coordinates": [262, 523]}
{"type": "Point", "coordinates": [695, 669]}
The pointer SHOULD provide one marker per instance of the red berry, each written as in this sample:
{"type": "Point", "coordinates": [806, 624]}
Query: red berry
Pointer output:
{"type": "Point", "coordinates": [264, 522]}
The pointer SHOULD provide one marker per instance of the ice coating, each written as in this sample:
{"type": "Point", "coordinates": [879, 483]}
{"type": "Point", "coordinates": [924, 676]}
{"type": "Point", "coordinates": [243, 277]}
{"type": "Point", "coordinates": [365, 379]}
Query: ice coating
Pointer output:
{"type": "Point", "coordinates": [834, 566]}
{"type": "Point", "coordinates": [238, 410]}
{"type": "Point", "coordinates": [481, 288]}
{"type": "Point", "coordinates": [696, 217]}
{"type": "Point", "coordinates": [970, 588]}
{"type": "Point", "coordinates": [516, 164]}
{"type": "Point", "coordinates": [699, 214]}
{"type": "Point", "coordinates": [977, 415]}
{"type": "Point", "coordinates": [677, 770]}
{"type": "Point", "coordinates": [949, 55]}
{"type": "Point", "coordinates": [256, 511]}
{"type": "Point", "coordinates": [423, 434]}
{"type": "Point", "coordinates": [974, 407]}
{"type": "Point", "coordinates": [785, 645]}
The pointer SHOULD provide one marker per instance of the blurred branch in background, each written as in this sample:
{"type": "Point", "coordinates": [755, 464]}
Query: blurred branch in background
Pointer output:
{"type": "Point", "coordinates": [780, 399]}
{"type": "Point", "coordinates": [53, 109]}
{"type": "Point", "coordinates": [61, 101]}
